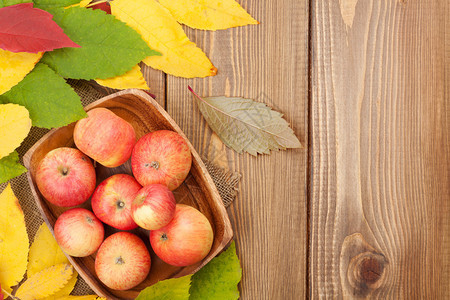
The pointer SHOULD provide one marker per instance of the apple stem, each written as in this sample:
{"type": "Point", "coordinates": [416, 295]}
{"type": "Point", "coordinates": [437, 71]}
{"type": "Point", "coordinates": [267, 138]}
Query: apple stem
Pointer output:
{"type": "Point", "coordinates": [155, 165]}
{"type": "Point", "coordinates": [65, 171]}
{"type": "Point", "coordinates": [119, 260]}
{"type": "Point", "coordinates": [164, 237]}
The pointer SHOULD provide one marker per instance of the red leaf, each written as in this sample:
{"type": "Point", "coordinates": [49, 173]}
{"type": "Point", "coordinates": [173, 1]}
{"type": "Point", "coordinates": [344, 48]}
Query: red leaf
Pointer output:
{"type": "Point", "coordinates": [103, 6]}
{"type": "Point", "coordinates": [27, 29]}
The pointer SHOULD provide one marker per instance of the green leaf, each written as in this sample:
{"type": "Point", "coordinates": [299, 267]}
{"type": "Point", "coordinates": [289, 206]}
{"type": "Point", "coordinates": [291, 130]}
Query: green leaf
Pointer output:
{"type": "Point", "coordinates": [219, 278]}
{"type": "Point", "coordinates": [247, 125]}
{"type": "Point", "coordinates": [49, 99]}
{"type": "Point", "coordinates": [47, 4]}
{"type": "Point", "coordinates": [169, 289]}
{"type": "Point", "coordinates": [4, 3]}
{"type": "Point", "coordinates": [10, 167]}
{"type": "Point", "coordinates": [108, 46]}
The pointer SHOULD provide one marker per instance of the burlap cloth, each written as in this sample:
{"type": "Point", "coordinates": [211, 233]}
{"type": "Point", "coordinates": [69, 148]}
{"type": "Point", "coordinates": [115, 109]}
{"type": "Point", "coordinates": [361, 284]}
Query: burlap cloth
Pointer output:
{"type": "Point", "coordinates": [225, 181]}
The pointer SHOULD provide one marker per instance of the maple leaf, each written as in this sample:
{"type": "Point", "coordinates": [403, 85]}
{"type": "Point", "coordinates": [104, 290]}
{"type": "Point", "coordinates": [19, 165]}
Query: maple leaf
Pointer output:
{"type": "Point", "coordinates": [10, 167]}
{"type": "Point", "coordinates": [247, 125]}
{"type": "Point", "coordinates": [131, 79]}
{"type": "Point", "coordinates": [109, 47]}
{"type": "Point", "coordinates": [208, 15]}
{"type": "Point", "coordinates": [45, 283]}
{"type": "Point", "coordinates": [14, 67]}
{"type": "Point", "coordinates": [13, 241]}
{"type": "Point", "coordinates": [24, 28]}
{"type": "Point", "coordinates": [15, 124]}
{"type": "Point", "coordinates": [180, 57]}
{"type": "Point", "coordinates": [49, 99]}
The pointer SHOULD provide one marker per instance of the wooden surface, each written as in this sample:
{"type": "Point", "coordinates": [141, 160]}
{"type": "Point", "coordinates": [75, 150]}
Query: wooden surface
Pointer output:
{"type": "Point", "coordinates": [380, 150]}
{"type": "Point", "coordinates": [363, 210]}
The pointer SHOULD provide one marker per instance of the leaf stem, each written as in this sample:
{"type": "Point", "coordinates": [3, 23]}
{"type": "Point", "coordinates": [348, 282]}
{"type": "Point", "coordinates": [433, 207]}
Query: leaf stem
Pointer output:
{"type": "Point", "coordinates": [9, 295]}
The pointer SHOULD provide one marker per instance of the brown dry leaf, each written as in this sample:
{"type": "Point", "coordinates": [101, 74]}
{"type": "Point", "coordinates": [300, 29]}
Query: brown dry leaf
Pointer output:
{"type": "Point", "coordinates": [45, 283]}
{"type": "Point", "coordinates": [180, 57]}
{"type": "Point", "coordinates": [247, 125]}
{"type": "Point", "coordinates": [13, 241]}
{"type": "Point", "coordinates": [132, 79]}
{"type": "Point", "coordinates": [208, 14]}
{"type": "Point", "coordinates": [44, 252]}
{"type": "Point", "coordinates": [14, 67]}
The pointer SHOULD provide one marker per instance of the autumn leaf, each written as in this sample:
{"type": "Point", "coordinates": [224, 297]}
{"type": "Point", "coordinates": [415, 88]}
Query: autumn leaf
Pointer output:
{"type": "Point", "coordinates": [87, 297]}
{"type": "Point", "coordinates": [4, 3]}
{"type": "Point", "coordinates": [13, 241]}
{"type": "Point", "coordinates": [65, 290]}
{"type": "Point", "coordinates": [173, 289]}
{"type": "Point", "coordinates": [48, 4]}
{"type": "Point", "coordinates": [49, 99]}
{"type": "Point", "coordinates": [247, 125]}
{"type": "Point", "coordinates": [82, 3]}
{"type": "Point", "coordinates": [208, 14]}
{"type": "Point", "coordinates": [15, 123]}
{"type": "Point", "coordinates": [180, 57]}
{"type": "Point", "coordinates": [219, 278]}
{"type": "Point", "coordinates": [129, 80]}
{"type": "Point", "coordinates": [44, 252]}
{"type": "Point", "coordinates": [45, 283]}
{"type": "Point", "coordinates": [10, 167]}
{"type": "Point", "coordinates": [109, 47]}
{"type": "Point", "coordinates": [14, 67]}
{"type": "Point", "coordinates": [24, 28]}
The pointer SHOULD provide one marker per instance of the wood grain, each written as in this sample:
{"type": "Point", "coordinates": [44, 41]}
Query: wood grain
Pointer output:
{"type": "Point", "coordinates": [268, 63]}
{"type": "Point", "coordinates": [380, 193]}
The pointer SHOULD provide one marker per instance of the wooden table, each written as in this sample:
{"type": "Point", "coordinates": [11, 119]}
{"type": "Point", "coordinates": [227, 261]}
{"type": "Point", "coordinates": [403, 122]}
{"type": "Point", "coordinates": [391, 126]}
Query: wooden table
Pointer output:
{"type": "Point", "coordinates": [363, 209]}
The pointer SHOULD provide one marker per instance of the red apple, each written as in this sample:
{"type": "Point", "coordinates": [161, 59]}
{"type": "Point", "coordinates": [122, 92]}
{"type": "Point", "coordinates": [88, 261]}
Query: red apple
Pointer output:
{"type": "Point", "coordinates": [105, 137]}
{"type": "Point", "coordinates": [112, 199]}
{"type": "Point", "coordinates": [78, 232]}
{"type": "Point", "coordinates": [123, 261]}
{"type": "Point", "coordinates": [161, 156]}
{"type": "Point", "coordinates": [186, 240]}
{"type": "Point", "coordinates": [153, 207]}
{"type": "Point", "coordinates": [65, 177]}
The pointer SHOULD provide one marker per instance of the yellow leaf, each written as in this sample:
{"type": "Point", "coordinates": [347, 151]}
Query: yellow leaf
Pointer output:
{"type": "Point", "coordinates": [83, 3]}
{"type": "Point", "coordinates": [208, 14]}
{"type": "Point", "coordinates": [14, 67]}
{"type": "Point", "coordinates": [66, 290]}
{"type": "Point", "coordinates": [180, 57]}
{"type": "Point", "coordinates": [44, 252]}
{"type": "Point", "coordinates": [129, 80]}
{"type": "Point", "coordinates": [15, 123]}
{"type": "Point", "coordinates": [87, 297]}
{"type": "Point", "coordinates": [45, 283]}
{"type": "Point", "coordinates": [13, 241]}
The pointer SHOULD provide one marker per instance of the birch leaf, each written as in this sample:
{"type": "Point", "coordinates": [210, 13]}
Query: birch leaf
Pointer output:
{"type": "Point", "coordinates": [129, 80]}
{"type": "Point", "coordinates": [180, 57]}
{"type": "Point", "coordinates": [44, 252]}
{"type": "Point", "coordinates": [15, 123]}
{"type": "Point", "coordinates": [247, 125]}
{"type": "Point", "coordinates": [66, 290]}
{"type": "Point", "coordinates": [208, 14]}
{"type": "Point", "coordinates": [13, 241]}
{"type": "Point", "coordinates": [15, 66]}
{"type": "Point", "coordinates": [45, 283]}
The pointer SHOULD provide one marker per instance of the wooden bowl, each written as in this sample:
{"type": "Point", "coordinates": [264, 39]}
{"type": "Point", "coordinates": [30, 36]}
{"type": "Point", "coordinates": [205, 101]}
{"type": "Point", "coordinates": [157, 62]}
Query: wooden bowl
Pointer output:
{"type": "Point", "coordinates": [198, 190]}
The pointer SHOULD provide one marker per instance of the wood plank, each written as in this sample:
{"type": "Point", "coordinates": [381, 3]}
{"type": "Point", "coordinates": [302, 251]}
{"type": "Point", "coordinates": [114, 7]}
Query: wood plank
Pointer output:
{"type": "Point", "coordinates": [380, 197]}
{"type": "Point", "coordinates": [268, 63]}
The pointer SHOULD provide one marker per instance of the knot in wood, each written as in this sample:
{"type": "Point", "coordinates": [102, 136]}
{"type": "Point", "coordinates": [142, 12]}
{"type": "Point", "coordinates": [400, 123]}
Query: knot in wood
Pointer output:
{"type": "Point", "coordinates": [366, 272]}
{"type": "Point", "coordinates": [371, 270]}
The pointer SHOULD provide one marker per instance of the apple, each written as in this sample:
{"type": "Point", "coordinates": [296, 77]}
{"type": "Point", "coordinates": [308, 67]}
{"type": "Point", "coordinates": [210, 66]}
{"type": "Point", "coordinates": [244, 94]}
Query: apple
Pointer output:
{"type": "Point", "coordinates": [161, 156]}
{"type": "Point", "coordinates": [78, 232]}
{"type": "Point", "coordinates": [112, 199]}
{"type": "Point", "coordinates": [65, 177]}
{"type": "Point", "coordinates": [123, 261]}
{"type": "Point", "coordinates": [105, 137]}
{"type": "Point", "coordinates": [186, 240]}
{"type": "Point", "coordinates": [153, 207]}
